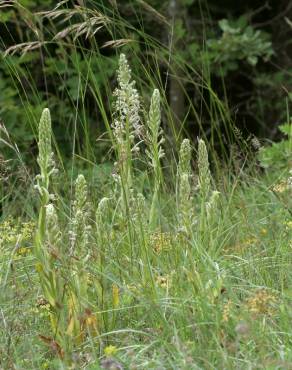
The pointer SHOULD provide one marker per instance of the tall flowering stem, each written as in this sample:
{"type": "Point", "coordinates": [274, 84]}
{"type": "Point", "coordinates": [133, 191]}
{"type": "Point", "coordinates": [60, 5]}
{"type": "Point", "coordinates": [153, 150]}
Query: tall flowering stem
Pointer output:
{"type": "Point", "coordinates": [80, 228]}
{"type": "Point", "coordinates": [46, 165]}
{"type": "Point", "coordinates": [126, 124]}
{"type": "Point", "coordinates": [80, 238]}
{"type": "Point", "coordinates": [209, 197]}
{"type": "Point", "coordinates": [204, 170]}
{"type": "Point", "coordinates": [155, 152]}
{"type": "Point", "coordinates": [184, 199]}
{"type": "Point", "coordinates": [80, 252]}
{"type": "Point", "coordinates": [47, 240]}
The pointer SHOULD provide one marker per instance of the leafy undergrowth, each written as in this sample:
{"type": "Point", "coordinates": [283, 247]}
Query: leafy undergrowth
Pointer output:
{"type": "Point", "coordinates": [181, 274]}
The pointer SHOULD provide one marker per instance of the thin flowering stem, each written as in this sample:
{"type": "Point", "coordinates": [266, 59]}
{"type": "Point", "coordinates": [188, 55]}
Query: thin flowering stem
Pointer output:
{"type": "Point", "coordinates": [155, 152]}
{"type": "Point", "coordinates": [126, 126]}
{"type": "Point", "coordinates": [46, 166]}
{"type": "Point", "coordinates": [47, 235]}
{"type": "Point", "coordinates": [204, 171]}
{"type": "Point", "coordinates": [80, 228]}
{"type": "Point", "coordinates": [184, 198]}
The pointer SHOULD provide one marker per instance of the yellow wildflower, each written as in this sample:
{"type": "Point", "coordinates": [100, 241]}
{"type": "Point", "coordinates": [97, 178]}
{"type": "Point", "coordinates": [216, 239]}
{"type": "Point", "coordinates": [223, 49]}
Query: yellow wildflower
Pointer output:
{"type": "Point", "coordinates": [163, 281]}
{"type": "Point", "coordinates": [39, 267]}
{"type": "Point", "coordinates": [160, 242]}
{"type": "Point", "coordinates": [22, 251]}
{"type": "Point", "coordinates": [261, 302]}
{"type": "Point", "coordinates": [281, 187]}
{"type": "Point", "coordinates": [43, 304]}
{"type": "Point", "coordinates": [12, 231]}
{"type": "Point", "coordinates": [110, 350]}
{"type": "Point", "coordinates": [27, 230]}
{"type": "Point", "coordinates": [226, 311]}
{"type": "Point", "coordinates": [91, 320]}
{"type": "Point", "coordinates": [250, 241]}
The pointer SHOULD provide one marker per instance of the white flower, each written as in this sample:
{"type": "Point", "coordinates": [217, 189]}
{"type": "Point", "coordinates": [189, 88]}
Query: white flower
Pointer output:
{"type": "Point", "coordinates": [127, 104]}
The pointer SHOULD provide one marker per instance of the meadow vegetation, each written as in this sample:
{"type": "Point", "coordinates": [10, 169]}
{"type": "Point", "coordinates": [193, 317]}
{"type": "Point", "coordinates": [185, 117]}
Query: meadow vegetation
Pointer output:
{"type": "Point", "coordinates": [174, 254]}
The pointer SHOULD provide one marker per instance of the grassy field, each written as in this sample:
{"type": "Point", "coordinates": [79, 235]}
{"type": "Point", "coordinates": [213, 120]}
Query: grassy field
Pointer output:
{"type": "Point", "coordinates": [173, 266]}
